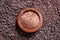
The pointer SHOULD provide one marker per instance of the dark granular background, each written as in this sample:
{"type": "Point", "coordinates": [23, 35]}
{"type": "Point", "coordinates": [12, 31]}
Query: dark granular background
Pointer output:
{"type": "Point", "coordinates": [9, 10]}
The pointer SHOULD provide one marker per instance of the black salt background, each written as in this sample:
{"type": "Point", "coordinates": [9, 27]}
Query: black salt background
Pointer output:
{"type": "Point", "coordinates": [9, 10]}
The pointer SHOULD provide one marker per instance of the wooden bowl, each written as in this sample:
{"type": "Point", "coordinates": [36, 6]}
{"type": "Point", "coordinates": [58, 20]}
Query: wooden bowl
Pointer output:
{"type": "Point", "coordinates": [30, 20]}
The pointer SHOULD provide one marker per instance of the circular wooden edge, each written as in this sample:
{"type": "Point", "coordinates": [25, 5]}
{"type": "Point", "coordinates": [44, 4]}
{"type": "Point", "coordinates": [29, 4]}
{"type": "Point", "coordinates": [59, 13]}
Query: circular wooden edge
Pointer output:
{"type": "Point", "coordinates": [32, 30]}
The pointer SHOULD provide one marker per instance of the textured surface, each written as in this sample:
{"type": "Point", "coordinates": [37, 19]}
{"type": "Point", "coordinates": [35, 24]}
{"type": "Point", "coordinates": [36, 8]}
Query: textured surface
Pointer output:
{"type": "Point", "coordinates": [9, 10]}
{"type": "Point", "coordinates": [30, 20]}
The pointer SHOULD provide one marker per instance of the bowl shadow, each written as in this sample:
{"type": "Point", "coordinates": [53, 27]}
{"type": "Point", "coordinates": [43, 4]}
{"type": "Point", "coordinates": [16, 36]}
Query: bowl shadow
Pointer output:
{"type": "Point", "coordinates": [24, 34]}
